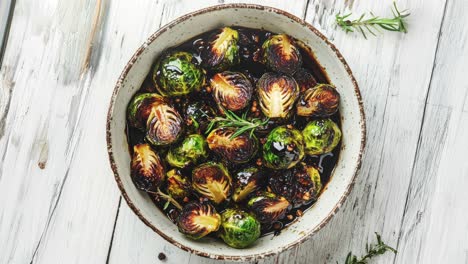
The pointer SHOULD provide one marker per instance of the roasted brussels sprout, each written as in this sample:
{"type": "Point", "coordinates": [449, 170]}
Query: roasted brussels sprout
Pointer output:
{"type": "Point", "coordinates": [247, 181]}
{"type": "Point", "coordinates": [212, 180]}
{"type": "Point", "coordinates": [320, 101]}
{"type": "Point", "coordinates": [281, 55]}
{"type": "Point", "coordinates": [283, 148]}
{"type": "Point", "coordinates": [231, 90]}
{"type": "Point", "coordinates": [190, 151]}
{"type": "Point", "coordinates": [239, 149]}
{"type": "Point", "coordinates": [239, 229]}
{"type": "Point", "coordinates": [140, 108]}
{"type": "Point", "coordinates": [147, 171]}
{"type": "Point", "coordinates": [178, 186]}
{"type": "Point", "coordinates": [304, 79]}
{"type": "Point", "coordinates": [176, 74]}
{"type": "Point", "coordinates": [198, 115]}
{"type": "Point", "coordinates": [164, 125]}
{"type": "Point", "coordinates": [277, 94]}
{"type": "Point", "coordinates": [268, 207]}
{"type": "Point", "coordinates": [321, 136]}
{"type": "Point", "coordinates": [300, 186]}
{"type": "Point", "coordinates": [222, 51]}
{"type": "Point", "coordinates": [198, 220]}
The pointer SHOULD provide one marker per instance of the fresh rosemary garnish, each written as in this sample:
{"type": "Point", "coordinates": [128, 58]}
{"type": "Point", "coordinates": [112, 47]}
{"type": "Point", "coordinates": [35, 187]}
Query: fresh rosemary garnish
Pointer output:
{"type": "Point", "coordinates": [372, 251]}
{"type": "Point", "coordinates": [234, 121]}
{"type": "Point", "coordinates": [397, 23]}
{"type": "Point", "coordinates": [168, 198]}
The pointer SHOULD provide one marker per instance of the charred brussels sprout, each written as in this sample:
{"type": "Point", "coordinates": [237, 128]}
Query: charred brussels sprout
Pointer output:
{"type": "Point", "coordinates": [283, 148]}
{"type": "Point", "coordinates": [140, 108]}
{"type": "Point", "coordinates": [178, 186]}
{"type": "Point", "coordinates": [321, 136]}
{"type": "Point", "coordinates": [222, 51]}
{"type": "Point", "coordinates": [190, 151]}
{"type": "Point", "coordinates": [231, 90]}
{"type": "Point", "coordinates": [239, 149]}
{"type": "Point", "coordinates": [239, 229]}
{"type": "Point", "coordinates": [320, 101]}
{"type": "Point", "coordinates": [176, 74]}
{"type": "Point", "coordinates": [212, 181]}
{"type": "Point", "coordinates": [268, 207]}
{"type": "Point", "coordinates": [247, 181]}
{"type": "Point", "coordinates": [304, 79]}
{"type": "Point", "coordinates": [164, 125]}
{"type": "Point", "coordinates": [198, 220]}
{"type": "Point", "coordinates": [300, 186]}
{"type": "Point", "coordinates": [277, 94]}
{"type": "Point", "coordinates": [147, 171]}
{"type": "Point", "coordinates": [198, 115]}
{"type": "Point", "coordinates": [281, 55]}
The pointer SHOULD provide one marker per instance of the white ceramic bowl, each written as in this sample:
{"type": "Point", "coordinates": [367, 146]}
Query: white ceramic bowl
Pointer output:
{"type": "Point", "coordinates": [254, 16]}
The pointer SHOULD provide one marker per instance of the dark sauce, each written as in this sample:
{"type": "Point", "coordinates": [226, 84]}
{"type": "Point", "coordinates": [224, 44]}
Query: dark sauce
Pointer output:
{"type": "Point", "coordinates": [250, 41]}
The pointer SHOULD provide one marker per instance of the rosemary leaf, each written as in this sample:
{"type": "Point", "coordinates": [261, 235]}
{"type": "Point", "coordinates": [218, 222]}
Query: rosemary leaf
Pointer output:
{"type": "Point", "coordinates": [372, 250]}
{"type": "Point", "coordinates": [241, 123]}
{"type": "Point", "coordinates": [374, 23]}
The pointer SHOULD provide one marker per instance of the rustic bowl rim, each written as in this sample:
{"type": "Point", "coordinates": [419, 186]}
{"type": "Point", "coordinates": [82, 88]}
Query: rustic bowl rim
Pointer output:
{"type": "Point", "coordinates": [185, 17]}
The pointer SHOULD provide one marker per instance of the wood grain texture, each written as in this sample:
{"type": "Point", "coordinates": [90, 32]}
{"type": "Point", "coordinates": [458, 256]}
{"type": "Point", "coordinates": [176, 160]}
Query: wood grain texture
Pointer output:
{"type": "Point", "coordinates": [6, 14]}
{"type": "Point", "coordinates": [435, 213]}
{"type": "Point", "coordinates": [59, 202]}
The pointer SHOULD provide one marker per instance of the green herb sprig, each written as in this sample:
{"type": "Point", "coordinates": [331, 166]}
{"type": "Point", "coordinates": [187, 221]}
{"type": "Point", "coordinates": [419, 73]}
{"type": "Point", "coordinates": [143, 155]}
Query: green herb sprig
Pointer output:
{"type": "Point", "coordinates": [168, 198]}
{"type": "Point", "coordinates": [242, 123]}
{"type": "Point", "coordinates": [372, 251]}
{"type": "Point", "coordinates": [373, 24]}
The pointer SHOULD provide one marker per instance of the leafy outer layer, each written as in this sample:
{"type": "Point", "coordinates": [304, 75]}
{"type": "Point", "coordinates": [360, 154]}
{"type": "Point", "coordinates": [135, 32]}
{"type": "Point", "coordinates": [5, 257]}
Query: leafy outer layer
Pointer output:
{"type": "Point", "coordinates": [147, 171]}
{"type": "Point", "coordinates": [277, 94]}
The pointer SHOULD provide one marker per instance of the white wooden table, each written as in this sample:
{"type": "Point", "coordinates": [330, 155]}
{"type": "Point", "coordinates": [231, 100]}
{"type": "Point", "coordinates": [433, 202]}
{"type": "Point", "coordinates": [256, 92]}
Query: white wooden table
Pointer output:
{"type": "Point", "coordinates": [58, 199]}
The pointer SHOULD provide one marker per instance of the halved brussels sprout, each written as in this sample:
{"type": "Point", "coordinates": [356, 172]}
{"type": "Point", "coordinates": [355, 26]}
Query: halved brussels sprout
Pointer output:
{"type": "Point", "coordinates": [222, 51]}
{"type": "Point", "coordinates": [247, 181]}
{"type": "Point", "coordinates": [320, 101]}
{"type": "Point", "coordinates": [238, 150]}
{"type": "Point", "coordinates": [190, 151]}
{"type": "Point", "coordinates": [198, 220]}
{"type": "Point", "coordinates": [178, 186]}
{"type": "Point", "coordinates": [277, 94]}
{"type": "Point", "coordinates": [283, 148]}
{"type": "Point", "coordinates": [304, 79]}
{"type": "Point", "coordinates": [321, 136]}
{"type": "Point", "coordinates": [268, 207]}
{"type": "Point", "coordinates": [239, 229]}
{"type": "Point", "coordinates": [198, 115]}
{"type": "Point", "coordinates": [231, 90]}
{"type": "Point", "coordinates": [176, 73]}
{"type": "Point", "coordinates": [164, 125]}
{"type": "Point", "coordinates": [301, 185]}
{"type": "Point", "coordinates": [212, 180]}
{"type": "Point", "coordinates": [281, 55]}
{"type": "Point", "coordinates": [147, 171]}
{"type": "Point", "coordinates": [140, 108]}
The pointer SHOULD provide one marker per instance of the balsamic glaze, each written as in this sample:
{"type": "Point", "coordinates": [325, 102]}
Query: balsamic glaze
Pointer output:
{"type": "Point", "coordinates": [250, 41]}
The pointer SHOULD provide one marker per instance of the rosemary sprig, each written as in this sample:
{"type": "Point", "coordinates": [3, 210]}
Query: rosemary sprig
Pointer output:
{"type": "Point", "coordinates": [372, 251]}
{"type": "Point", "coordinates": [234, 121]}
{"type": "Point", "coordinates": [168, 199]}
{"type": "Point", "coordinates": [397, 23]}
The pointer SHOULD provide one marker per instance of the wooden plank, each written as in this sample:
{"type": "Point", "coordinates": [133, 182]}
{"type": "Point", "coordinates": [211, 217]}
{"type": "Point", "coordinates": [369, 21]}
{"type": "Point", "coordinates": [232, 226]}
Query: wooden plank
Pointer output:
{"type": "Point", "coordinates": [434, 226]}
{"type": "Point", "coordinates": [393, 71]}
{"type": "Point", "coordinates": [6, 13]}
{"type": "Point", "coordinates": [57, 201]}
